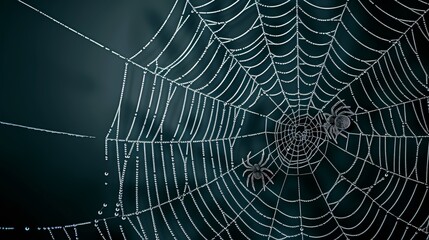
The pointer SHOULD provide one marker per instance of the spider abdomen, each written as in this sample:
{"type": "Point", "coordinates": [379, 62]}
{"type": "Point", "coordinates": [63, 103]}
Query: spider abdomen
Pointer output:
{"type": "Point", "coordinates": [342, 122]}
{"type": "Point", "coordinates": [257, 175]}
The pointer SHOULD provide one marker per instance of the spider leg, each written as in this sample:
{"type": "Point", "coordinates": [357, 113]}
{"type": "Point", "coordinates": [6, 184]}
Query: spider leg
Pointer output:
{"type": "Point", "coordinates": [265, 162]}
{"type": "Point", "coordinates": [344, 110]}
{"type": "Point", "coordinates": [341, 109]}
{"type": "Point", "coordinates": [248, 158]}
{"type": "Point", "coordinates": [262, 158]}
{"type": "Point", "coordinates": [263, 182]}
{"type": "Point", "coordinates": [248, 179]}
{"type": "Point", "coordinates": [268, 177]}
{"type": "Point", "coordinates": [334, 135]}
{"type": "Point", "coordinates": [342, 134]}
{"type": "Point", "coordinates": [326, 116]}
{"type": "Point", "coordinates": [266, 169]}
{"type": "Point", "coordinates": [246, 165]}
{"type": "Point", "coordinates": [326, 126]}
{"type": "Point", "coordinates": [253, 183]}
{"type": "Point", "coordinates": [247, 170]}
{"type": "Point", "coordinates": [337, 132]}
{"type": "Point", "coordinates": [333, 111]}
{"type": "Point", "coordinates": [329, 131]}
{"type": "Point", "coordinates": [348, 113]}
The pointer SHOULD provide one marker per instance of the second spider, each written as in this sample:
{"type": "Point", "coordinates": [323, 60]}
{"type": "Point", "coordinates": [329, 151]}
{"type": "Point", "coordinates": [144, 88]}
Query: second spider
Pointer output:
{"type": "Point", "coordinates": [257, 171]}
{"type": "Point", "coordinates": [337, 121]}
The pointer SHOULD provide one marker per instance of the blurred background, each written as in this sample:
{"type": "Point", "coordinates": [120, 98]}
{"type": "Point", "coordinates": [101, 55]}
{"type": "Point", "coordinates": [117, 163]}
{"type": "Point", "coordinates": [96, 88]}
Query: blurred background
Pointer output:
{"type": "Point", "coordinates": [54, 79]}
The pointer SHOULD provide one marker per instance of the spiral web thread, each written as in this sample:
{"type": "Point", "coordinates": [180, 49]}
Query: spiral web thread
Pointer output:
{"type": "Point", "coordinates": [221, 79]}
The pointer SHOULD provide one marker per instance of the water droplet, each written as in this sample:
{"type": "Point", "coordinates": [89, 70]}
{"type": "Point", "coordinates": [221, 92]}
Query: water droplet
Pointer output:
{"type": "Point", "coordinates": [117, 209]}
{"type": "Point", "coordinates": [105, 183]}
{"type": "Point", "coordinates": [95, 221]}
{"type": "Point", "coordinates": [100, 212]}
{"type": "Point", "coordinates": [104, 204]}
{"type": "Point", "coordinates": [116, 214]}
{"type": "Point", "coordinates": [106, 174]}
{"type": "Point", "coordinates": [27, 229]}
{"type": "Point", "coordinates": [117, 204]}
{"type": "Point", "coordinates": [123, 218]}
{"type": "Point", "coordinates": [386, 175]}
{"type": "Point", "coordinates": [301, 229]}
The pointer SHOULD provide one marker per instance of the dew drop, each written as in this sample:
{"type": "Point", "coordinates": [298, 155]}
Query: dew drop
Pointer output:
{"type": "Point", "coordinates": [104, 204]}
{"type": "Point", "coordinates": [100, 212]}
{"type": "Point", "coordinates": [116, 214]}
{"type": "Point", "coordinates": [106, 174]}
{"type": "Point", "coordinates": [27, 229]}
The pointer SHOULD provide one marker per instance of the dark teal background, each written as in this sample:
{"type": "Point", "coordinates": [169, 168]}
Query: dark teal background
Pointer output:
{"type": "Point", "coordinates": [51, 78]}
{"type": "Point", "coordinates": [54, 79]}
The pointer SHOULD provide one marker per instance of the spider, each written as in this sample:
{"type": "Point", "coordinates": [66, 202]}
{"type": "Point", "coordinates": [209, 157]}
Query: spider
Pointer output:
{"type": "Point", "coordinates": [337, 121]}
{"type": "Point", "coordinates": [257, 171]}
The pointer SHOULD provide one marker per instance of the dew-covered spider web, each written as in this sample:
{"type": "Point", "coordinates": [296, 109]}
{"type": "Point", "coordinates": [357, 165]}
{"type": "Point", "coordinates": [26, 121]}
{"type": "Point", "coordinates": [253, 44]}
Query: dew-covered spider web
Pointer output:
{"type": "Point", "coordinates": [223, 80]}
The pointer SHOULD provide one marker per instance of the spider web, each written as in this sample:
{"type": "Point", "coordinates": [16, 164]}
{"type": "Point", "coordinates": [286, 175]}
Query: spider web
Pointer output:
{"type": "Point", "coordinates": [220, 80]}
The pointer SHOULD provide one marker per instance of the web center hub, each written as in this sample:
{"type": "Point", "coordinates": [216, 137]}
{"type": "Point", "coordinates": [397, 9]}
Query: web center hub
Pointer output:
{"type": "Point", "coordinates": [298, 139]}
